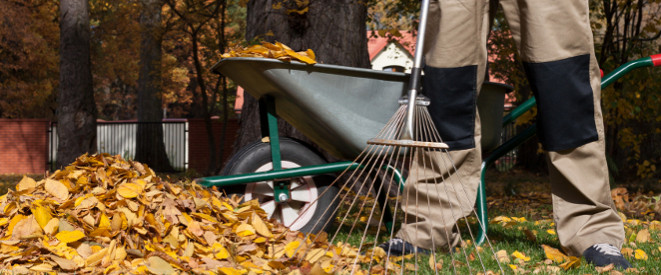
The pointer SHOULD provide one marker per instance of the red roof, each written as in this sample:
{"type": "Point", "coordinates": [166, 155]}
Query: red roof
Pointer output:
{"type": "Point", "coordinates": [377, 41]}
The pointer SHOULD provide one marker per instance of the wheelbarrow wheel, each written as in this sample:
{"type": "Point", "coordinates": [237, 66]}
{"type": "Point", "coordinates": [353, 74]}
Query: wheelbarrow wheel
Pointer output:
{"type": "Point", "coordinates": [310, 207]}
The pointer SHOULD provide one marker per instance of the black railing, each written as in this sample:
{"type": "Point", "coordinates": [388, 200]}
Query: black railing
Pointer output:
{"type": "Point", "coordinates": [506, 162]}
{"type": "Point", "coordinates": [120, 138]}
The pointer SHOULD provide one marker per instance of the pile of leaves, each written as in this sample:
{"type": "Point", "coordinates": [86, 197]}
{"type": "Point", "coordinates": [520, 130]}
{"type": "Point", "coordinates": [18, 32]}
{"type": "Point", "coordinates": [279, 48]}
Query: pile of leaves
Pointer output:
{"type": "Point", "coordinates": [269, 50]}
{"type": "Point", "coordinates": [105, 214]}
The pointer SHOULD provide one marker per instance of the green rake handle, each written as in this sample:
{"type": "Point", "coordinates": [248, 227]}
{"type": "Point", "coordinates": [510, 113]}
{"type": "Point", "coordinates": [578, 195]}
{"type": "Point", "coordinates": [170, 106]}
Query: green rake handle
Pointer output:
{"type": "Point", "coordinates": [509, 145]}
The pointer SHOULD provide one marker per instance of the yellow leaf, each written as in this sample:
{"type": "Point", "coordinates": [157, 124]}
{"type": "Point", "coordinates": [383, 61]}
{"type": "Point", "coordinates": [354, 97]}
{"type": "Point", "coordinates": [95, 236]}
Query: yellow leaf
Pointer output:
{"type": "Point", "coordinates": [315, 254]}
{"type": "Point", "coordinates": [261, 227]}
{"type": "Point", "coordinates": [554, 254]}
{"type": "Point", "coordinates": [13, 222]}
{"type": "Point", "coordinates": [222, 252]}
{"type": "Point", "coordinates": [42, 268]}
{"type": "Point", "coordinates": [639, 254]}
{"type": "Point", "coordinates": [69, 236]}
{"type": "Point", "coordinates": [573, 262]}
{"type": "Point", "coordinates": [643, 236]}
{"type": "Point", "coordinates": [157, 265]}
{"type": "Point", "coordinates": [104, 221]}
{"type": "Point", "coordinates": [551, 231]}
{"type": "Point", "coordinates": [26, 184]}
{"type": "Point", "coordinates": [42, 215]}
{"type": "Point", "coordinates": [311, 54]}
{"type": "Point", "coordinates": [291, 247]}
{"type": "Point", "coordinates": [230, 271]}
{"type": "Point", "coordinates": [26, 228]}
{"type": "Point", "coordinates": [521, 256]}
{"type": "Point", "coordinates": [327, 266]}
{"type": "Point", "coordinates": [52, 226]}
{"type": "Point", "coordinates": [502, 257]}
{"type": "Point", "coordinates": [513, 267]}
{"type": "Point", "coordinates": [129, 190]}
{"type": "Point", "coordinates": [627, 251]}
{"type": "Point", "coordinates": [244, 230]}
{"type": "Point", "coordinates": [57, 189]}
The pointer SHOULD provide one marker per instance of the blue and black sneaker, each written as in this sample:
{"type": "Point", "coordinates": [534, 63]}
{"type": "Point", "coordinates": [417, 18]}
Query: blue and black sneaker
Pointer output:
{"type": "Point", "coordinates": [605, 254]}
{"type": "Point", "coordinates": [399, 247]}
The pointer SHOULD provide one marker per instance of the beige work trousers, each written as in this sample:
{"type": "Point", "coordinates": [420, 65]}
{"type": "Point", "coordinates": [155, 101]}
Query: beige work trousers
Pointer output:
{"type": "Point", "coordinates": [442, 188]}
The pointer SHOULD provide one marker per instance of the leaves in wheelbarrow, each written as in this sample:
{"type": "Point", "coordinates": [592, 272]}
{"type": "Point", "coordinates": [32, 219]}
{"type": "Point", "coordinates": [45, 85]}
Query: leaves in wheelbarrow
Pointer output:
{"type": "Point", "coordinates": [104, 214]}
{"type": "Point", "coordinates": [275, 50]}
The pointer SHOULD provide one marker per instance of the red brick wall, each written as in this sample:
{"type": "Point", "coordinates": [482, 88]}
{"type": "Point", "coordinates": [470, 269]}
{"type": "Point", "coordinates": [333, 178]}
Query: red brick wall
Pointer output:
{"type": "Point", "coordinates": [198, 146]}
{"type": "Point", "coordinates": [23, 146]}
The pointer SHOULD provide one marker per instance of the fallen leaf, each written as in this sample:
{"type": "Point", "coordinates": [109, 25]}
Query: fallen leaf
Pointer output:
{"type": "Point", "coordinates": [261, 227]}
{"type": "Point", "coordinates": [639, 254]}
{"type": "Point", "coordinates": [26, 184]}
{"type": "Point", "coordinates": [129, 190]}
{"type": "Point", "coordinates": [554, 254]}
{"type": "Point", "coordinates": [521, 256]}
{"type": "Point", "coordinates": [26, 228]}
{"type": "Point", "coordinates": [502, 256]}
{"type": "Point", "coordinates": [57, 189]}
{"type": "Point", "coordinates": [42, 215]}
{"type": "Point", "coordinates": [157, 265]}
{"type": "Point", "coordinates": [602, 269]}
{"type": "Point", "coordinates": [643, 236]}
{"type": "Point", "coordinates": [291, 248]}
{"type": "Point", "coordinates": [572, 262]}
{"type": "Point", "coordinates": [627, 251]}
{"type": "Point", "coordinates": [69, 236]}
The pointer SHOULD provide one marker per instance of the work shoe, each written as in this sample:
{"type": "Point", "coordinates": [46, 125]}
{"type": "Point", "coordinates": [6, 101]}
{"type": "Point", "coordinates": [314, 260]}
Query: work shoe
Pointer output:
{"type": "Point", "coordinates": [605, 254]}
{"type": "Point", "coordinates": [399, 247]}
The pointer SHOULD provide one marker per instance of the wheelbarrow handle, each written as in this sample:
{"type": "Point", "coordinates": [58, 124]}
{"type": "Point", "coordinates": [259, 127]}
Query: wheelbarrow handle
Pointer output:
{"type": "Point", "coordinates": [650, 61]}
{"type": "Point", "coordinates": [656, 60]}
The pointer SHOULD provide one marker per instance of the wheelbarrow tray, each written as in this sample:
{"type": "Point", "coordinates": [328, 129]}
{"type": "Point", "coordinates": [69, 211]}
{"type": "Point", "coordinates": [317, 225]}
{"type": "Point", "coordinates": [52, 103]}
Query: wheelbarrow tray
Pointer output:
{"type": "Point", "coordinates": [337, 107]}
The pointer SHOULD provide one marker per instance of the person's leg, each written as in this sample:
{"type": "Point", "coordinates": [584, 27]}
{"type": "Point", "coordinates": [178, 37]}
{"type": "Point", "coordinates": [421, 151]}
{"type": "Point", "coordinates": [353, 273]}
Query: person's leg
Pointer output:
{"type": "Point", "coordinates": [441, 187]}
{"type": "Point", "coordinates": [556, 45]}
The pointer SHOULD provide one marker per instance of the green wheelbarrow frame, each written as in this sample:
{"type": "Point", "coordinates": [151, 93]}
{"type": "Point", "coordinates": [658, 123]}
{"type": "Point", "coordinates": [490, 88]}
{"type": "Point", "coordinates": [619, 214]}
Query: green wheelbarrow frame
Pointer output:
{"type": "Point", "coordinates": [268, 119]}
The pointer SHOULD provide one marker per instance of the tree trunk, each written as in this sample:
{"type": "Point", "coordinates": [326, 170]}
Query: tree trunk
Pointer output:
{"type": "Point", "coordinates": [150, 148]}
{"type": "Point", "coordinates": [76, 110]}
{"type": "Point", "coordinates": [334, 29]}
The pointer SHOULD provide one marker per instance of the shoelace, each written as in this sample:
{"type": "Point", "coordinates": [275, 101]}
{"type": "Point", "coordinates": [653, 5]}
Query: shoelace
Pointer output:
{"type": "Point", "coordinates": [396, 241]}
{"type": "Point", "coordinates": [607, 249]}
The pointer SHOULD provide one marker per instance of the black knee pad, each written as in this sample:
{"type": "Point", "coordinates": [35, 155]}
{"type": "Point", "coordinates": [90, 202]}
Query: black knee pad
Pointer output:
{"type": "Point", "coordinates": [565, 102]}
{"type": "Point", "coordinates": [453, 94]}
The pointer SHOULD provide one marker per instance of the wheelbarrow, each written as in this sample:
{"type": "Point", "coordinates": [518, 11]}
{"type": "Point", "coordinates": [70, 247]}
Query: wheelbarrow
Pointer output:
{"type": "Point", "coordinates": [339, 108]}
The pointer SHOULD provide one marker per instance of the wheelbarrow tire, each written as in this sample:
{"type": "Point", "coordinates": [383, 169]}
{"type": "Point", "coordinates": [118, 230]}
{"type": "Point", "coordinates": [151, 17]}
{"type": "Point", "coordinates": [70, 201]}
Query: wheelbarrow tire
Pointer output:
{"type": "Point", "coordinates": [256, 156]}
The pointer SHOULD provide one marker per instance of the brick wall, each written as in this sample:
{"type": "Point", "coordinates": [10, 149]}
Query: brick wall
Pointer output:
{"type": "Point", "coordinates": [198, 145]}
{"type": "Point", "coordinates": [23, 146]}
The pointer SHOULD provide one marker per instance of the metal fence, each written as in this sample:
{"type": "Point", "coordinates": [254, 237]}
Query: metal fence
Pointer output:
{"type": "Point", "coordinates": [506, 162]}
{"type": "Point", "coordinates": [119, 138]}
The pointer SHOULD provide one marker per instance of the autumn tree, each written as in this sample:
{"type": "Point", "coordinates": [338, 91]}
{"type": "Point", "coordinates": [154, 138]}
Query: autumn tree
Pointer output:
{"type": "Point", "coordinates": [29, 37]}
{"type": "Point", "coordinates": [203, 24]}
{"type": "Point", "coordinates": [115, 57]}
{"type": "Point", "coordinates": [627, 30]}
{"type": "Point", "coordinates": [334, 29]}
{"type": "Point", "coordinates": [76, 110]}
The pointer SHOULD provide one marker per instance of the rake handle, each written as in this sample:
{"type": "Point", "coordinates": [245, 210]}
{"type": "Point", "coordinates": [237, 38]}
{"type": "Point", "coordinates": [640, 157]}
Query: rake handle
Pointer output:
{"type": "Point", "coordinates": [416, 72]}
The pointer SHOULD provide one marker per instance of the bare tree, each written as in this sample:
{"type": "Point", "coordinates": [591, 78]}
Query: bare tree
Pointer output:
{"type": "Point", "coordinates": [76, 110]}
{"type": "Point", "coordinates": [150, 148]}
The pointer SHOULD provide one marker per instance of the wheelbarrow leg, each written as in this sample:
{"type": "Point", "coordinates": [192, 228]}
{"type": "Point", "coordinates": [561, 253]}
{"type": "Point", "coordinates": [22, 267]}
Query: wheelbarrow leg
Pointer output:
{"type": "Point", "coordinates": [481, 207]}
{"type": "Point", "coordinates": [269, 127]}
